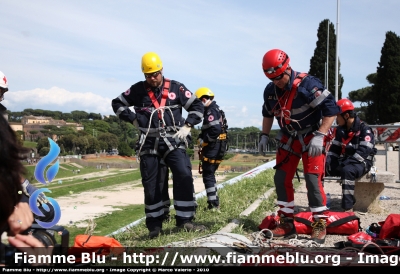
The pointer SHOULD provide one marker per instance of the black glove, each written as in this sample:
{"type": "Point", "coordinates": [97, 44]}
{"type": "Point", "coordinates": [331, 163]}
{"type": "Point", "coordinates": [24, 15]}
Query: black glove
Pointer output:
{"type": "Point", "coordinates": [328, 166]}
{"type": "Point", "coordinates": [350, 150]}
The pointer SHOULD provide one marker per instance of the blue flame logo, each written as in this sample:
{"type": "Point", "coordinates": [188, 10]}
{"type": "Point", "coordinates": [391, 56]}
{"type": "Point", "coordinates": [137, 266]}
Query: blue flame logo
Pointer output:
{"type": "Point", "coordinates": [50, 174]}
{"type": "Point", "coordinates": [45, 161]}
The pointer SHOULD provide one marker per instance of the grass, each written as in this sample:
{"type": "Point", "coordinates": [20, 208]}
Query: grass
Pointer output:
{"type": "Point", "coordinates": [234, 199]}
{"type": "Point", "coordinates": [64, 185]}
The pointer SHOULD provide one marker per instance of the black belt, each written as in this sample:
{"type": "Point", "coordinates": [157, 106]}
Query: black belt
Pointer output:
{"type": "Point", "coordinates": [291, 130]}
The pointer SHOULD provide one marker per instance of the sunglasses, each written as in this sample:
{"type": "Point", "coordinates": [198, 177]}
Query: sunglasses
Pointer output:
{"type": "Point", "coordinates": [150, 75]}
{"type": "Point", "coordinates": [277, 78]}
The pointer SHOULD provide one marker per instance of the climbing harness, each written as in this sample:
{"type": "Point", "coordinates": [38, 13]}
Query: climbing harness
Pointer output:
{"type": "Point", "coordinates": [162, 131]}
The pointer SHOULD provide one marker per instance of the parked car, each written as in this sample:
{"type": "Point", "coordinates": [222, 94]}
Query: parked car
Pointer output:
{"type": "Point", "coordinates": [114, 151]}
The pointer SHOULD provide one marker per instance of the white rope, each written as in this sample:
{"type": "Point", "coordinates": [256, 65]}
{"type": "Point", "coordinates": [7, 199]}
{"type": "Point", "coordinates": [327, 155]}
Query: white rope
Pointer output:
{"type": "Point", "coordinates": [162, 109]}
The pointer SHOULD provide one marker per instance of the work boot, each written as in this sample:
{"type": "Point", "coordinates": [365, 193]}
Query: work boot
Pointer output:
{"type": "Point", "coordinates": [189, 227]}
{"type": "Point", "coordinates": [318, 233]}
{"type": "Point", "coordinates": [155, 232]}
{"type": "Point", "coordinates": [284, 229]}
{"type": "Point", "coordinates": [166, 218]}
{"type": "Point", "coordinates": [213, 207]}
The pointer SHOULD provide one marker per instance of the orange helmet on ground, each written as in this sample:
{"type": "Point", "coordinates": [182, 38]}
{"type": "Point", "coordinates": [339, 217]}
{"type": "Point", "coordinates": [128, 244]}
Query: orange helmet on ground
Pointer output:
{"type": "Point", "coordinates": [345, 105]}
{"type": "Point", "coordinates": [275, 62]}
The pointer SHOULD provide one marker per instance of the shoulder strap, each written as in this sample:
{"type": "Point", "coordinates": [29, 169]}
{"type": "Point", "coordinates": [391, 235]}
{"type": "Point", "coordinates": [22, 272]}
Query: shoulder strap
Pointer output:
{"type": "Point", "coordinates": [296, 82]}
{"type": "Point", "coordinates": [163, 98]}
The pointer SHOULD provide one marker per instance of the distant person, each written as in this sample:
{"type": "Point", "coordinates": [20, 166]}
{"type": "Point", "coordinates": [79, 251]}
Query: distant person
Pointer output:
{"type": "Point", "coordinates": [15, 216]}
{"type": "Point", "coordinates": [305, 111]}
{"type": "Point", "coordinates": [212, 144]}
{"type": "Point", "coordinates": [165, 135]}
{"type": "Point", "coordinates": [351, 153]}
{"type": "Point", "coordinates": [27, 187]}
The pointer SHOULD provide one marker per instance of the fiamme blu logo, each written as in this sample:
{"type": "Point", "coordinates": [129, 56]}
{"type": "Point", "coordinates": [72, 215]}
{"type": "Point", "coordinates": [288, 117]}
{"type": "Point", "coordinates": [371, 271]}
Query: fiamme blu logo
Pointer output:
{"type": "Point", "coordinates": [51, 172]}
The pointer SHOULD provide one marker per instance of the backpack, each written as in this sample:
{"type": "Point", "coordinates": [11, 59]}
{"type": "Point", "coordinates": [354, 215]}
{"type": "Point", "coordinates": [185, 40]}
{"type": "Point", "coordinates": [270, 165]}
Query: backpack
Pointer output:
{"type": "Point", "coordinates": [223, 137]}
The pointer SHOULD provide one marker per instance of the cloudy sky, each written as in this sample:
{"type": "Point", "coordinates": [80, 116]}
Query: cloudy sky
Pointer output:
{"type": "Point", "coordinates": [79, 55]}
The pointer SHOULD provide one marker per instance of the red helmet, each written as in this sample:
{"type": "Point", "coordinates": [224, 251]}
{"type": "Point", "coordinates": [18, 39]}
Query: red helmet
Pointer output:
{"type": "Point", "coordinates": [275, 62]}
{"type": "Point", "coordinates": [345, 105]}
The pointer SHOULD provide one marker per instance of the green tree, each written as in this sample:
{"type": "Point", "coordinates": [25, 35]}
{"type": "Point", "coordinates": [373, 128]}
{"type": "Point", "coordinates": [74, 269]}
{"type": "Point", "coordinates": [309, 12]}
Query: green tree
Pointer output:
{"type": "Point", "coordinates": [364, 96]}
{"type": "Point", "coordinates": [95, 116]}
{"type": "Point", "coordinates": [94, 145]}
{"type": "Point", "coordinates": [68, 141]}
{"type": "Point", "coordinates": [44, 151]}
{"type": "Point", "coordinates": [110, 139]}
{"type": "Point", "coordinates": [124, 149]}
{"type": "Point", "coordinates": [386, 91]}
{"type": "Point", "coordinates": [42, 142]}
{"type": "Point", "coordinates": [79, 115]}
{"type": "Point", "coordinates": [33, 134]}
{"type": "Point", "coordinates": [319, 61]}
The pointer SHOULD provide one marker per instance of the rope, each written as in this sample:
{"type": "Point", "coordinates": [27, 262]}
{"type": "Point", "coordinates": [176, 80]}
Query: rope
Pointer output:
{"type": "Point", "coordinates": [162, 134]}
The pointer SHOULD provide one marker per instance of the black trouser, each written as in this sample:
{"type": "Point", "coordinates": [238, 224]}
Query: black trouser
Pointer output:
{"type": "Point", "coordinates": [210, 183]}
{"type": "Point", "coordinates": [348, 174]}
{"type": "Point", "coordinates": [164, 173]}
{"type": "Point", "coordinates": [152, 176]}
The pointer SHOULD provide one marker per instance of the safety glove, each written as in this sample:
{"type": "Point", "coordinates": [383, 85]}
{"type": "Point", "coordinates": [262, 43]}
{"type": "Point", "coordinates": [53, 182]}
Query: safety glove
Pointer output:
{"type": "Point", "coordinates": [135, 123]}
{"type": "Point", "coordinates": [28, 189]}
{"type": "Point", "coordinates": [262, 145]}
{"type": "Point", "coordinates": [183, 132]}
{"type": "Point", "coordinates": [316, 144]}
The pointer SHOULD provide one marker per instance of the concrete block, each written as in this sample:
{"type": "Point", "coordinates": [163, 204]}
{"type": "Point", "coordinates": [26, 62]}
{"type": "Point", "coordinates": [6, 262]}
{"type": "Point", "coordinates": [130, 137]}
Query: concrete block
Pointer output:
{"type": "Point", "coordinates": [367, 196]}
{"type": "Point", "coordinates": [385, 177]}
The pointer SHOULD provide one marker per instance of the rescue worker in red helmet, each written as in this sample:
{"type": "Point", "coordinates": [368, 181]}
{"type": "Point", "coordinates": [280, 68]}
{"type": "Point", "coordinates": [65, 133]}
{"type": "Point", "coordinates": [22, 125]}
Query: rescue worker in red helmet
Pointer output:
{"type": "Point", "coordinates": [165, 135]}
{"type": "Point", "coordinates": [352, 151]}
{"type": "Point", "coordinates": [305, 111]}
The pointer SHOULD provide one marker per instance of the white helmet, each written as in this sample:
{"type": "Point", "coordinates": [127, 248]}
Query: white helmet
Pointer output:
{"type": "Point", "coordinates": [3, 80]}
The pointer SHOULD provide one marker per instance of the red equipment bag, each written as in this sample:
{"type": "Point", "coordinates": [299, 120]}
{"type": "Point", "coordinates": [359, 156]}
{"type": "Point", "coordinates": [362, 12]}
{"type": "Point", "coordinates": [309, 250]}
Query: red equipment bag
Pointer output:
{"type": "Point", "coordinates": [390, 228]}
{"type": "Point", "coordinates": [360, 238]}
{"type": "Point", "coordinates": [269, 222]}
{"type": "Point", "coordinates": [98, 245]}
{"type": "Point", "coordinates": [340, 223]}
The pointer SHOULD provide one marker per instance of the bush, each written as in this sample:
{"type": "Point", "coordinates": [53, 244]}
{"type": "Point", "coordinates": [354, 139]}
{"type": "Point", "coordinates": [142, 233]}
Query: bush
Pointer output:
{"type": "Point", "coordinates": [228, 156]}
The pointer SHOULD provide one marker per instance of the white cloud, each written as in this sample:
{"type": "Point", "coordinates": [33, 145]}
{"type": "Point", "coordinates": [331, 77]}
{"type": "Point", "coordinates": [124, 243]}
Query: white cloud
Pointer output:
{"type": "Point", "coordinates": [58, 99]}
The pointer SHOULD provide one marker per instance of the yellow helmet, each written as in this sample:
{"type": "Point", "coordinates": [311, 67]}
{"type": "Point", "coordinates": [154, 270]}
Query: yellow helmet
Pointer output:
{"type": "Point", "coordinates": [204, 92]}
{"type": "Point", "coordinates": [151, 63]}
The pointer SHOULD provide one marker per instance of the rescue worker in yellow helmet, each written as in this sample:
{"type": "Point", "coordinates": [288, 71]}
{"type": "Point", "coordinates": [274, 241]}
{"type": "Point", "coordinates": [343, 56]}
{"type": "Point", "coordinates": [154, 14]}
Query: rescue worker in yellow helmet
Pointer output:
{"type": "Point", "coordinates": [212, 144]}
{"type": "Point", "coordinates": [165, 135]}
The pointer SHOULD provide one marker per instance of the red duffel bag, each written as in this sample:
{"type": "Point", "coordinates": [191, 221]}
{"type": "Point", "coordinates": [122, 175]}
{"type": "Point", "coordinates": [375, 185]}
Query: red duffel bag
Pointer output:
{"type": "Point", "coordinates": [390, 227]}
{"type": "Point", "coordinates": [341, 223]}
